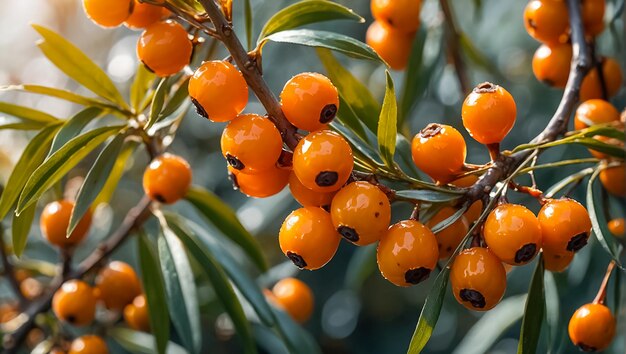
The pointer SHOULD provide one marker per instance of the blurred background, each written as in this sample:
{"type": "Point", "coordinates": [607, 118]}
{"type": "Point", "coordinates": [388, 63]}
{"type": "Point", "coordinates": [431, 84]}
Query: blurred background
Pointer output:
{"type": "Point", "coordinates": [357, 311]}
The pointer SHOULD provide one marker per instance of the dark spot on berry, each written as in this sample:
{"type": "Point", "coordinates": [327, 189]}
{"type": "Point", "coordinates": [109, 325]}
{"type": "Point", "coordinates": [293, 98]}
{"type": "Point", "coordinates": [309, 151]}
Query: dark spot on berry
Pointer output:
{"type": "Point", "coordinates": [348, 233]}
{"type": "Point", "coordinates": [416, 275]}
{"type": "Point", "coordinates": [199, 109]}
{"type": "Point", "coordinates": [160, 198]}
{"type": "Point", "coordinates": [380, 203]}
{"type": "Point", "coordinates": [449, 248]}
{"type": "Point", "coordinates": [577, 242]}
{"type": "Point", "coordinates": [531, 23]}
{"type": "Point", "coordinates": [473, 297]}
{"type": "Point", "coordinates": [234, 162]}
{"type": "Point", "coordinates": [486, 87]}
{"type": "Point", "coordinates": [586, 348]}
{"type": "Point", "coordinates": [439, 246]}
{"type": "Point", "coordinates": [326, 178]}
{"type": "Point", "coordinates": [328, 113]}
{"type": "Point", "coordinates": [326, 207]}
{"type": "Point", "coordinates": [376, 214]}
{"type": "Point", "coordinates": [431, 130]}
{"type": "Point", "coordinates": [71, 319]}
{"type": "Point", "coordinates": [296, 259]}
{"type": "Point", "coordinates": [525, 253]}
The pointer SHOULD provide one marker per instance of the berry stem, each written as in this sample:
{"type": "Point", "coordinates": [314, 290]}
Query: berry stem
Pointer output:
{"type": "Point", "coordinates": [532, 191]}
{"type": "Point", "coordinates": [601, 297]}
{"type": "Point", "coordinates": [494, 151]}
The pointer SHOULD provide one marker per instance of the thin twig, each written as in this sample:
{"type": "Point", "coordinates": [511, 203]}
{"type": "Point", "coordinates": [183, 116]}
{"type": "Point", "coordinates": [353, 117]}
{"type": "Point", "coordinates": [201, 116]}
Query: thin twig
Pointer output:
{"type": "Point", "coordinates": [454, 47]}
{"type": "Point", "coordinates": [601, 296]}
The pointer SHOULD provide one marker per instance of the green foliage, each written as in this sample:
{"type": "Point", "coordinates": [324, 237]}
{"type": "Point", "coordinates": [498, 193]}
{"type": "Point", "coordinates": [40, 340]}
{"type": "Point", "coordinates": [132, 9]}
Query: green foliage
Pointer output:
{"type": "Point", "coordinates": [534, 312]}
{"type": "Point", "coordinates": [388, 125]}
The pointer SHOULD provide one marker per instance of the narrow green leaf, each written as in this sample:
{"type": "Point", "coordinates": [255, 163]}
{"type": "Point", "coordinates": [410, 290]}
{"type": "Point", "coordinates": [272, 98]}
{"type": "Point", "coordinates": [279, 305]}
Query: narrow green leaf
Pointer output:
{"type": "Point", "coordinates": [29, 115]}
{"type": "Point", "coordinates": [424, 195]}
{"type": "Point", "coordinates": [414, 84]}
{"type": "Point", "coordinates": [20, 228]}
{"type": "Point", "coordinates": [347, 117]}
{"type": "Point", "coordinates": [450, 220]}
{"type": "Point", "coordinates": [306, 12]}
{"type": "Point", "coordinates": [73, 127]}
{"type": "Point", "coordinates": [140, 86]}
{"type": "Point", "coordinates": [61, 162]}
{"type": "Point", "coordinates": [95, 180]}
{"type": "Point", "coordinates": [22, 126]}
{"type": "Point", "coordinates": [247, 12]}
{"type": "Point", "coordinates": [176, 100]}
{"type": "Point", "coordinates": [269, 340]}
{"type": "Point", "coordinates": [75, 64]}
{"type": "Point", "coordinates": [214, 210]}
{"type": "Point", "coordinates": [359, 146]}
{"type": "Point", "coordinates": [299, 341]}
{"type": "Point", "coordinates": [557, 187]}
{"type": "Point", "coordinates": [157, 102]}
{"type": "Point", "coordinates": [362, 264]}
{"type": "Point", "coordinates": [388, 125]}
{"type": "Point", "coordinates": [553, 310]}
{"type": "Point", "coordinates": [533, 312]}
{"type": "Point", "coordinates": [116, 173]}
{"type": "Point", "coordinates": [140, 342]}
{"type": "Point", "coordinates": [61, 94]}
{"type": "Point", "coordinates": [404, 157]}
{"type": "Point", "coordinates": [154, 288]}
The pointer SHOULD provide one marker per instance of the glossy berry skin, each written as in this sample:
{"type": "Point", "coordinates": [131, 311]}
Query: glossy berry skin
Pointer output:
{"type": "Point", "coordinates": [218, 90]}
{"type": "Point", "coordinates": [489, 113]}
{"type": "Point", "coordinates": [144, 15]}
{"type": "Point", "coordinates": [478, 279]}
{"type": "Point", "coordinates": [551, 64]}
{"type": "Point", "coordinates": [594, 111]}
{"type": "Point", "coordinates": [565, 226]}
{"type": "Point", "coordinates": [513, 234]}
{"type": "Point", "coordinates": [167, 178]}
{"type": "Point", "coordinates": [407, 253]}
{"type": "Point", "coordinates": [295, 297]}
{"type": "Point", "coordinates": [117, 284]}
{"type": "Point", "coordinates": [108, 13]}
{"type": "Point", "coordinates": [260, 185]}
{"type": "Point", "coordinates": [592, 327]}
{"type": "Point", "coordinates": [546, 20]}
{"type": "Point", "coordinates": [591, 86]}
{"type": "Point", "coordinates": [310, 101]}
{"type": "Point", "coordinates": [473, 212]}
{"type": "Point", "coordinates": [593, 16]}
{"type": "Point", "coordinates": [322, 161]}
{"type": "Point", "coordinates": [89, 344]}
{"type": "Point", "coordinates": [75, 303]}
{"type": "Point", "coordinates": [439, 150]}
{"type": "Point", "coordinates": [164, 48]}
{"type": "Point", "coordinates": [136, 314]}
{"type": "Point", "coordinates": [308, 197]}
{"type": "Point", "coordinates": [308, 238]}
{"type": "Point", "coordinates": [392, 45]}
{"type": "Point", "coordinates": [616, 226]}
{"type": "Point", "coordinates": [557, 262]}
{"type": "Point", "coordinates": [614, 180]}
{"type": "Point", "coordinates": [449, 238]}
{"type": "Point", "coordinates": [402, 15]}
{"type": "Point", "coordinates": [361, 213]}
{"type": "Point", "coordinates": [55, 218]}
{"type": "Point", "coordinates": [251, 143]}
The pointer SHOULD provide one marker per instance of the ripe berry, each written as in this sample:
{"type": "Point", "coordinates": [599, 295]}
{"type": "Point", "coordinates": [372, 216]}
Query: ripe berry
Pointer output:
{"type": "Point", "coordinates": [449, 238]}
{"type": "Point", "coordinates": [593, 16]}
{"type": "Point", "coordinates": [145, 14]}
{"type": "Point", "coordinates": [551, 64]}
{"type": "Point", "coordinates": [108, 13]}
{"type": "Point", "coordinates": [614, 180]}
{"type": "Point", "coordinates": [118, 285]}
{"type": "Point", "coordinates": [488, 113]}
{"type": "Point", "coordinates": [308, 238]}
{"type": "Point", "coordinates": [594, 111]}
{"type": "Point", "coordinates": [407, 253]}
{"type": "Point", "coordinates": [55, 219]}
{"type": "Point", "coordinates": [31, 288]}
{"type": "Point", "coordinates": [260, 185]}
{"type": "Point", "coordinates": [89, 344]}
{"type": "Point", "coordinates": [439, 150]}
{"type": "Point", "coordinates": [218, 90]}
{"type": "Point", "coordinates": [565, 226]}
{"type": "Point", "coordinates": [322, 161]}
{"type": "Point", "coordinates": [251, 143]}
{"type": "Point", "coordinates": [591, 86]}
{"type": "Point", "coordinates": [361, 213]}
{"type": "Point", "coordinates": [557, 262]}
{"type": "Point", "coordinates": [308, 197]}
{"type": "Point", "coordinates": [478, 279]}
{"type": "Point", "coordinates": [136, 314]}
{"type": "Point", "coordinates": [310, 101]}
{"type": "Point", "coordinates": [592, 327]}
{"type": "Point", "coordinates": [473, 212]}
{"type": "Point", "coordinates": [295, 297]}
{"type": "Point", "coordinates": [513, 234]}
{"type": "Point", "coordinates": [402, 15]}
{"type": "Point", "coordinates": [167, 178]}
{"type": "Point", "coordinates": [616, 226]}
{"type": "Point", "coordinates": [546, 20]}
{"type": "Point", "coordinates": [164, 48]}
{"type": "Point", "coordinates": [392, 45]}
{"type": "Point", "coordinates": [75, 303]}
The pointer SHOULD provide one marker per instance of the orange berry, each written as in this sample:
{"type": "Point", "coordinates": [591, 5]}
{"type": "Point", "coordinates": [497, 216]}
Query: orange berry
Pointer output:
{"type": "Point", "coordinates": [251, 143]}
{"type": "Point", "coordinates": [565, 226]}
{"type": "Point", "coordinates": [449, 238]}
{"type": "Point", "coordinates": [55, 218]}
{"type": "Point", "coordinates": [310, 101]}
{"type": "Point", "coordinates": [31, 288]}
{"type": "Point", "coordinates": [402, 15]}
{"type": "Point", "coordinates": [145, 14]}
{"type": "Point", "coordinates": [557, 262]}
{"type": "Point", "coordinates": [489, 113]}
{"type": "Point", "coordinates": [8, 311]}
{"type": "Point", "coordinates": [108, 13]}
{"type": "Point", "coordinates": [546, 20]}
{"type": "Point", "coordinates": [322, 161]}
{"type": "Point", "coordinates": [308, 238]}
{"type": "Point", "coordinates": [407, 253]}
{"type": "Point", "coordinates": [136, 314]}
{"type": "Point", "coordinates": [591, 86]}
{"type": "Point", "coordinates": [392, 45]}
{"type": "Point", "coordinates": [616, 226]}
{"type": "Point", "coordinates": [592, 327]}
{"type": "Point", "coordinates": [473, 212]}
{"type": "Point", "coordinates": [218, 90]}
{"type": "Point", "coordinates": [164, 48]}
{"type": "Point", "coordinates": [439, 150]}
{"type": "Point", "coordinates": [593, 14]}
{"type": "Point", "coordinates": [89, 344]}
{"type": "Point", "coordinates": [295, 297]}
{"type": "Point", "coordinates": [513, 234]}
{"type": "Point", "coordinates": [75, 303]}
{"type": "Point", "coordinates": [361, 213]}
{"type": "Point", "coordinates": [260, 185]}
{"type": "Point", "coordinates": [614, 180]}
{"type": "Point", "coordinates": [551, 64]}
{"type": "Point", "coordinates": [308, 197]}
{"type": "Point", "coordinates": [594, 111]}
{"type": "Point", "coordinates": [118, 285]}
{"type": "Point", "coordinates": [167, 178]}
{"type": "Point", "coordinates": [478, 279]}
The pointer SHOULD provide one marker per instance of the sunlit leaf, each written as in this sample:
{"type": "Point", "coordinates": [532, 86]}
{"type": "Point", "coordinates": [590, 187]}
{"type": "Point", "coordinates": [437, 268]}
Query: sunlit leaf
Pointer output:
{"type": "Point", "coordinates": [533, 312]}
{"type": "Point", "coordinates": [419, 195]}
{"type": "Point", "coordinates": [116, 173]}
{"type": "Point", "coordinates": [140, 86]}
{"type": "Point", "coordinates": [157, 102]}
{"type": "Point", "coordinates": [20, 228]}
{"type": "Point", "coordinates": [176, 100]}
{"type": "Point", "coordinates": [552, 309]}
{"type": "Point", "coordinates": [26, 114]}
{"type": "Point", "coordinates": [388, 125]}
{"type": "Point", "coordinates": [450, 220]}
{"type": "Point", "coordinates": [140, 342]}
{"type": "Point", "coordinates": [247, 13]}
{"type": "Point", "coordinates": [73, 127]}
